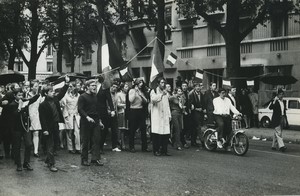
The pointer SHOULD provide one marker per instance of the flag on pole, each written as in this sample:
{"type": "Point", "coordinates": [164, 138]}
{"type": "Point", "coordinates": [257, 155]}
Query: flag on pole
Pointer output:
{"type": "Point", "coordinates": [111, 58]}
{"type": "Point", "coordinates": [226, 83]}
{"type": "Point", "coordinates": [250, 83]}
{"type": "Point", "coordinates": [199, 74]}
{"type": "Point", "coordinates": [171, 60]}
{"type": "Point", "coordinates": [126, 74]}
{"type": "Point", "coordinates": [157, 66]}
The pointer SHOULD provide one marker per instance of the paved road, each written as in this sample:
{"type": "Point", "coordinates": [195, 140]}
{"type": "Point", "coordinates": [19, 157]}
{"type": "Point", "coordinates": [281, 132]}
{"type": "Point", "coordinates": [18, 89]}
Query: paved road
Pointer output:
{"type": "Point", "coordinates": [189, 172]}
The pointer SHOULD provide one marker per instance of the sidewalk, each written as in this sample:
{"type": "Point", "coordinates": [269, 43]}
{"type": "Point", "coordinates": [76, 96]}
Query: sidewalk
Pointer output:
{"type": "Point", "coordinates": [289, 135]}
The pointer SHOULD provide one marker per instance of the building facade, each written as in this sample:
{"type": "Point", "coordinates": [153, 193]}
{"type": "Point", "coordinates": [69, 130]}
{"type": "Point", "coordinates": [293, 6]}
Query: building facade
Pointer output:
{"type": "Point", "coordinates": [272, 47]}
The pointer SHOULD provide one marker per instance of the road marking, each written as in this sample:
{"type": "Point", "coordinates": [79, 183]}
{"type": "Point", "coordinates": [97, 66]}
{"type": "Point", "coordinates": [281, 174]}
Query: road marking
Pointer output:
{"type": "Point", "coordinates": [289, 155]}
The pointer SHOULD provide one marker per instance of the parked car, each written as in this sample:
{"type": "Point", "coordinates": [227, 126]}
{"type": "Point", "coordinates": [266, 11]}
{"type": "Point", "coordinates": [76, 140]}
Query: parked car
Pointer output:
{"type": "Point", "coordinates": [292, 112]}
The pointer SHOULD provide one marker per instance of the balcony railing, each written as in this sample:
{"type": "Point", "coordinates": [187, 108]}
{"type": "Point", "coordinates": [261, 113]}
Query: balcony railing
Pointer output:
{"type": "Point", "coordinates": [279, 45]}
{"type": "Point", "coordinates": [214, 51]}
{"type": "Point", "coordinates": [187, 53]}
{"type": "Point", "coordinates": [246, 48]}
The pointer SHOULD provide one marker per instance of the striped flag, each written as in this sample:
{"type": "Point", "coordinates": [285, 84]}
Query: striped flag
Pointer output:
{"type": "Point", "coordinates": [199, 74]}
{"type": "Point", "coordinates": [171, 60]}
{"type": "Point", "coordinates": [157, 66]}
{"type": "Point", "coordinates": [111, 58]}
{"type": "Point", "coordinates": [126, 74]}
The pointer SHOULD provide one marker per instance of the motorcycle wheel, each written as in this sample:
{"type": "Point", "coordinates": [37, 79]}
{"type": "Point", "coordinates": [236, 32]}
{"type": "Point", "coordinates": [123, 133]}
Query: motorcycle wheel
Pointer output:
{"type": "Point", "coordinates": [209, 143]}
{"type": "Point", "coordinates": [240, 144]}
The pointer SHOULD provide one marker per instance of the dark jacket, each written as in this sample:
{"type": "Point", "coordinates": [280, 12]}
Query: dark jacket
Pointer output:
{"type": "Point", "coordinates": [194, 100]}
{"type": "Point", "coordinates": [208, 100]}
{"type": "Point", "coordinates": [277, 113]}
{"type": "Point", "coordinates": [45, 111]}
{"type": "Point", "coordinates": [104, 101]}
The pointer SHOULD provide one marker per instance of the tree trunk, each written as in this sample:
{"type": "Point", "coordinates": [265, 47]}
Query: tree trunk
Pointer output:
{"type": "Point", "coordinates": [161, 26]}
{"type": "Point", "coordinates": [60, 36]}
{"type": "Point", "coordinates": [32, 71]}
{"type": "Point", "coordinates": [232, 35]}
{"type": "Point", "coordinates": [12, 56]}
{"type": "Point", "coordinates": [73, 38]}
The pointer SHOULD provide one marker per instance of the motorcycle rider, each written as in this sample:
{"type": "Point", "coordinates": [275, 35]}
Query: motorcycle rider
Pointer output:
{"type": "Point", "coordinates": [222, 108]}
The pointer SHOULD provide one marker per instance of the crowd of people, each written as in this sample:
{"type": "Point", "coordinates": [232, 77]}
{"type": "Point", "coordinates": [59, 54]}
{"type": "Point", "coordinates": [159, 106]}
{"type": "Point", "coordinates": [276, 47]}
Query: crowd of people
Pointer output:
{"type": "Point", "coordinates": [80, 115]}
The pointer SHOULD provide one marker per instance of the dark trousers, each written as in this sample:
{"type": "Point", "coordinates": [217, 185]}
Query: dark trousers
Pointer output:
{"type": "Point", "coordinates": [210, 117]}
{"type": "Point", "coordinates": [49, 143]}
{"type": "Point", "coordinates": [176, 127]}
{"type": "Point", "coordinates": [186, 128]}
{"type": "Point", "coordinates": [7, 138]}
{"type": "Point", "coordinates": [254, 119]}
{"type": "Point", "coordinates": [224, 126]}
{"type": "Point", "coordinates": [160, 143]}
{"type": "Point", "coordinates": [90, 131]}
{"type": "Point", "coordinates": [137, 120]}
{"type": "Point", "coordinates": [197, 118]}
{"type": "Point", "coordinates": [18, 135]}
{"type": "Point", "coordinates": [112, 123]}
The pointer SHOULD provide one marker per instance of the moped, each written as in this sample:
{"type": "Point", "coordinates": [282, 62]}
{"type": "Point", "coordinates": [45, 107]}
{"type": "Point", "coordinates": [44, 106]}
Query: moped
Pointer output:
{"type": "Point", "coordinates": [237, 140]}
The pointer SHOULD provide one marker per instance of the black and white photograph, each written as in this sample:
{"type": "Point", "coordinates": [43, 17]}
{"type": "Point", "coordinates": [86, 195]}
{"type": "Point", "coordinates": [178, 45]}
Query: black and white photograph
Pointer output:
{"type": "Point", "coordinates": [149, 97]}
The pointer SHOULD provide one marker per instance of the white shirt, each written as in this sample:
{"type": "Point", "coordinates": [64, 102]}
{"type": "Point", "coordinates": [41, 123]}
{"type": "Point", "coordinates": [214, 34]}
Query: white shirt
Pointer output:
{"type": "Point", "coordinates": [224, 106]}
{"type": "Point", "coordinates": [281, 107]}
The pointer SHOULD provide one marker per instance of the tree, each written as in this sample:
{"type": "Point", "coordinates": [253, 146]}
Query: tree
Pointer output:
{"type": "Point", "coordinates": [257, 11]}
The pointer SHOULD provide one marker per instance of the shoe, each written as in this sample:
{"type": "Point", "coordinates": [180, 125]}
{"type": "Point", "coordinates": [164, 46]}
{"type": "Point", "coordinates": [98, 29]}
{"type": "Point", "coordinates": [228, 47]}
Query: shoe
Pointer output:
{"type": "Point", "coordinates": [97, 162]}
{"type": "Point", "coordinates": [157, 154]}
{"type": "Point", "coordinates": [19, 168]}
{"type": "Point", "coordinates": [223, 141]}
{"type": "Point", "coordinates": [53, 168]}
{"type": "Point", "coordinates": [85, 163]}
{"type": "Point", "coordinates": [36, 155]}
{"type": "Point", "coordinates": [179, 148]}
{"type": "Point", "coordinates": [186, 146]}
{"type": "Point", "coordinates": [116, 149]}
{"type": "Point", "coordinates": [77, 152]}
{"type": "Point", "coordinates": [219, 144]}
{"type": "Point", "coordinates": [165, 154]}
{"type": "Point", "coordinates": [27, 166]}
{"type": "Point", "coordinates": [132, 150]}
{"type": "Point", "coordinates": [146, 150]}
{"type": "Point", "coordinates": [273, 148]}
{"type": "Point", "coordinates": [283, 148]}
{"type": "Point", "coordinates": [72, 151]}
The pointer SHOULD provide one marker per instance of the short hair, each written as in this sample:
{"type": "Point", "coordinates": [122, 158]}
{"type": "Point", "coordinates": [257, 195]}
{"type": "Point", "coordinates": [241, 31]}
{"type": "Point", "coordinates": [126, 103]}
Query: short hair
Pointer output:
{"type": "Point", "coordinates": [221, 89]}
{"type": "Point", "coordinates": [184, 82]}
{"type": "Point", "coordinates": [17, 91]}
{"type": "Point", "coordinates": [46, 89]}
{"type": "Point", "coordinates": [89, 82]}
{"type": "Point", "coordinates": [176, 89]}
{"type": "Point", "coordinates": [160, 79]}
{"type": "Point", "coordinates": [100, 78]}
{"type": "Point", "coordinates": [198, 84]}
{"type": "Point", "coordinates": [279, 91]}
{"type": "Point", "coordinates": [211, 83]}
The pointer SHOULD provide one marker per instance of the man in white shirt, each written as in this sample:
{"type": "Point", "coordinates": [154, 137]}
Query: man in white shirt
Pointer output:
{"type": "Point", "coordinates": [222, 108]}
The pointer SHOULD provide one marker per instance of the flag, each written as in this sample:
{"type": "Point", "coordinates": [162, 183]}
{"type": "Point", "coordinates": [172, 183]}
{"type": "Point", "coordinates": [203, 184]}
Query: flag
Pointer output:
{"type": "Point", "coordinates": [250, 83]}
{"type": "Point", "coordinates": [111, 58]}
{"type": "Point", "coordinates": [199, 74]}
{"type": "Point", "coordinates": [59, 85]}
{"type": "Point", "coordinates": [125, 74]}
{"type": "Point", "coordinates": [226, 83]}
{"type": "Point", "coordinates": [157, 66]}
{"type": "Point", "coordinates": [171, 60]}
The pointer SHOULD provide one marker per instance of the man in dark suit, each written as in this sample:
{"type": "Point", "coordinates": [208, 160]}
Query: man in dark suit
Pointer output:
{"type": "Point", "coordinates": [186, 116]}
{"type": "Point", "coordinates": [278, 120]}
{"type": "Point", "coordinates": [208, 101]}
{"type": "Point", "coordinates": [50, 115]}
{"type": "Point", "coordinates": [105, 104]}
{"type": "Point", "coordinates": [196, 102]}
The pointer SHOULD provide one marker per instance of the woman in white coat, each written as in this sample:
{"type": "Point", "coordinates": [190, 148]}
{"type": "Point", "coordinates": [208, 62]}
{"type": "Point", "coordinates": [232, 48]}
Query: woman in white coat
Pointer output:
{"type": "Point", "coordinates": [160, 119]}
{"type": "Point", "coordinates": [72, 118]}
{"type": "Point", "coordinates": [33, 110]}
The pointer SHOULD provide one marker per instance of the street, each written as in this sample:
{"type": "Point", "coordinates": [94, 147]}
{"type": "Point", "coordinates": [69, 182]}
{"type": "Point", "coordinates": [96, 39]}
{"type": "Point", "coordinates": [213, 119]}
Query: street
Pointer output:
{"type": "Point", "coordinates": [189, 172]}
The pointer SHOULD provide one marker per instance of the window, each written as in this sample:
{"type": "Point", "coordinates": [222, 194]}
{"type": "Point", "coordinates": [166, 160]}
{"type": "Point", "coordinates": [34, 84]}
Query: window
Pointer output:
{"type": "Point", "coordinates": [122, 10]}
{"type": "Point", "coordinates": [49, 50]}
{"type": "Point", "coordinates": [293, 104]}
{"type": "Point", "coordinates": [214, 36]}
{"type": "Point", "coordinates": [87, 73]}
{"type": "Point", "coordinates": [279, 25]}
{"type": "Point", "coordinates": [187, 36]}
{"type": "Point", "coordinates": [285, 70]}
{"type": "Point", "coordinates": [50, 66]}
{"type": "Point", "coordinates": [168, 21]}
{"type": "Point", "coordinates": [87, 55]}
{"type": "Point", "coordinates": [18, 66]}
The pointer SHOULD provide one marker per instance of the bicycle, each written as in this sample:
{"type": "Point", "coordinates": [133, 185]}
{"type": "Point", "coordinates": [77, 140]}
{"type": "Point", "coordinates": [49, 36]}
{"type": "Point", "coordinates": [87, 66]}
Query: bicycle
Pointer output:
{"type": "Point", "coordinates": [238, 140]}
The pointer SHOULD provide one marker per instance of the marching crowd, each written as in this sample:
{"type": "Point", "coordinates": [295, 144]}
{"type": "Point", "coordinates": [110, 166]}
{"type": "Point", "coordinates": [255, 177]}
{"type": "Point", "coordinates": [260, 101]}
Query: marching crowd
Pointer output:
{"type": "Point", "coordinates": [85, 112]}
